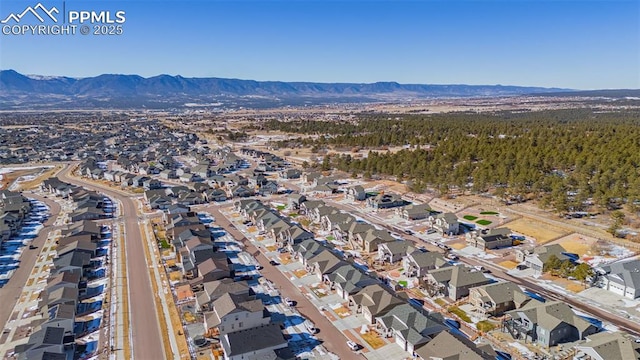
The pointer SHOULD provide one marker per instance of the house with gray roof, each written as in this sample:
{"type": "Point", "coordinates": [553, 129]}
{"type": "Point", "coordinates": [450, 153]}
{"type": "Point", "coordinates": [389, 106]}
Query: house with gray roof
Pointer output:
{"type": "Point", "coordinates": [454, 281]}
{"type": "Point", "coordinates": [410, 327]}
{"type": "Point", "coordinates": [623, 278]}
{"type": "Point", "coordinates": [325, 262]}
{"type": "Point", "coordinates": [375, 301]}
{"type": "Point", "coordinates": [348, 280]}
{"type": "Point", "coordinates": [356, 193]}
{"type": "Point", "coordinates": [369, 240]}
{"type": "Point", "coordinates": [414, 211]}
{"type": "Point", "coordinates": [419, 262]}
{"type": "Point", "coordinates": [392, 252]}
{"type": "Point", "coordinates": [48, 339]}
{"type": "Point", "coordinates": [262, 342]}
{"type": "Point", "coordinates": [445, 223]}
{"type": "Point", "coordinates": [210, 291]}
{"type": "Point", "coordinates": [547, 324]}
{"type": "Point", "coordinates": [233, 313]}
{"type": "Point", "coordinates": [536, 257]}
{"type": "Point", "coordinates": [449, 347]}
{"type": "Point", "coordinates": [608, 346]}
{"type": "Point", "coordinates": [385, 201]}
{"type": "Point", "coordinates": [494, 299]}
{"type": "Point", "coordinates": [488, 239]}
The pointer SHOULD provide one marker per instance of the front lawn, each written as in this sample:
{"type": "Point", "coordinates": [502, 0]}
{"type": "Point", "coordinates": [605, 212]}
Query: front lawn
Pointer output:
{"type": "Point", "coordinates": [281, 207]}
{"type": "Point", "coordinates": [470, 217]}
{"type": "Point", "coordinates": [483, 222]}
{"type": "Point", "coordinates": [485, 326]}
{"type": "Point", "coordinates": [460, 313]}
{"type": "Point", "coordinates": [403, 283]}
{"type": "Point", "coordinates": [330, 238]}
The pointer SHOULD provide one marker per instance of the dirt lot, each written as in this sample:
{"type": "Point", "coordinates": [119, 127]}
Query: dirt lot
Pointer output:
{"type": "Point", "coordinates": [542, 232]}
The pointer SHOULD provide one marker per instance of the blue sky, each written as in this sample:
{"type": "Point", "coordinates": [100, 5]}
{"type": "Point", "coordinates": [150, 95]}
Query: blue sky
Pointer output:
{"type": "Point", "coordinates": [570, 44]}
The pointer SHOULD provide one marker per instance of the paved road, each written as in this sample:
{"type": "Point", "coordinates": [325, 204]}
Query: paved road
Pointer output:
{"type": "Point", "coordinates": [333, 340]}
{"type": "Point", "coordinates": [10, 292]}
{"type": "Point", "coordinates": [145, 329]}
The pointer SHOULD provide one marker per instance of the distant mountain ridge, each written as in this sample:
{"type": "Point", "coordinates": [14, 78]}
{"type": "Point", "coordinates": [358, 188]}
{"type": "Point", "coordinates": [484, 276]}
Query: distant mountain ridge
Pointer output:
{"type": "Point", "coordinates": [173, 89]}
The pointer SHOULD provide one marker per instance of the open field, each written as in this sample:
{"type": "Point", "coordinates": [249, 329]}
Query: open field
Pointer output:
{"type": "Point", "coordinates": [542, 232]}
{"type": "Point", "coordinates": [577, 244]}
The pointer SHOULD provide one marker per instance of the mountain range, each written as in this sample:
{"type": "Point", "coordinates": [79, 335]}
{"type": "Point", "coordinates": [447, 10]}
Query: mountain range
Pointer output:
{"type": "Point", "coordinates": [163, 91]}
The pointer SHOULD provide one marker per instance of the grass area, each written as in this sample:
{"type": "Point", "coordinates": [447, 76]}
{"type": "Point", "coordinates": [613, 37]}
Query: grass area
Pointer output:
{"type": "Point", "coordinates": [489, 213]}
{"type": "Point", "coordinates": [343, 312]}
{"type": "Point", "coordinates": [189, 317]}
{"type": "Point", "coordinates": [330, 238]}
{"type": "Point", "coordinates": [319, 292]}
{"type": "Point", "coordinates": [485, 326]}
{"type": "Point", "coordinates": [271, 247]}
{"type": "Point", "coordinates": [300, 273]}
{"type": "Point", "coordinates": [292, 215]}
{"type": "Point", "coordinates": [440, 302]}
{"type": "Point", "coordinates": [164, 244]}
{"type": "Point", "coordinates": [460, 313]}
{"type": "Point", "coordinates": [508, 264]}
{"type": "Point", "coordinates": [281, 207]}
{"type": "Point", "coordinates": [403, 283]}
{"type": "Point", "coordinates": [469, 217]}
{"type": "Point", "coordinates": [483, 222]}
{"type": "Point", "coordinates": [30, 282]}
{"type": "Point", "coordinates": [575, 288]}
{"type": "Point", "coordinates": [305, 222]}
{"type": "Point", "coordinates": [175, 276]}
{"type": "Point", "coordinates": [137, 190]}
{"type": "Point", "coordinates": [373, 339]}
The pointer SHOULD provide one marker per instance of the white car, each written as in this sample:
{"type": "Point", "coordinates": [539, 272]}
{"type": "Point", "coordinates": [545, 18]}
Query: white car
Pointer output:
{"type": "Point", "coordinates": [353, 346]}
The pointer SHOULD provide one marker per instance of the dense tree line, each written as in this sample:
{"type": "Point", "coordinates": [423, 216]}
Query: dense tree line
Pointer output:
{"type": "Point", "coordinates": [571, 159]}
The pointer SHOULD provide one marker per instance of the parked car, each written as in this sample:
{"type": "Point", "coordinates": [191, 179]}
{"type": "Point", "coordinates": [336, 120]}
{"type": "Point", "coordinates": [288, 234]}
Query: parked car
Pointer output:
{"type": "Point", "coordinates": [32, 247]}
{"type": "Point", "coordinates": [353, 346]}
{"type": "Point", "coordinates": [431, 231]}
{"type": "Point", "coordinates": [409, 232]}
{"type": "Point", "coordinates": [282, 250]}
{"type": "Point", "coordinates": [289, 302]}
{"type": "Point", "coordinates": [274, 263]}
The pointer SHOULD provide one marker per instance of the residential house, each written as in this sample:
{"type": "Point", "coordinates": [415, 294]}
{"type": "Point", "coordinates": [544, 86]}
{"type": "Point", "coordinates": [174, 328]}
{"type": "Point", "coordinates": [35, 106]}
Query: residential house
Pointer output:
{"type": "Point", "coordinates": [608, 346]}
{"type": "Point", "coordinates": [356, 193]}
{"type": "Point", "coordinates": [418, 262]}
{"type": "Point", "coordinates": [536, 257]}
{"type": "Point", "coordinates": [295, 200]}
{"type": "Point", "coordinates": [212, 290]}
{"type": "Point", "coordinates": [414, 211]}
{"type": "Point", "coordinates": [233, 313]}
{"type": "Point", "coordinates": [370, 240]}
{"type": "Point", "coordinates": [385, 201]}
{"type": "Point", "coordinates": [489, 239]}
{"type": "Point", "coordinates": [410, 327]}
{"type": "Point", "coordinates": [497, 298]}
{"type": "Point", "coordinates": [454, 281]}
{"type": "Point", "coordinates": [623, 278]}
{"type": "Point", "coordinates": [325, 262]}
{"type": "Point", "coordinates": [347, 280]}
{"type": "Point", "coordinates": [392, 252]}
{"type": "Point", "coordinates": [445, 346]}
{"type": "Point", "coordinates": [262, 342]}
{"type": "Point", "coordinates": [375, 301]}
{"type": "Point", "coordinates": [290, 174]}
{"type": "Point", "coordinates": [445, 223]}
{"type": "Point", "coordinates": [547, 324]}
